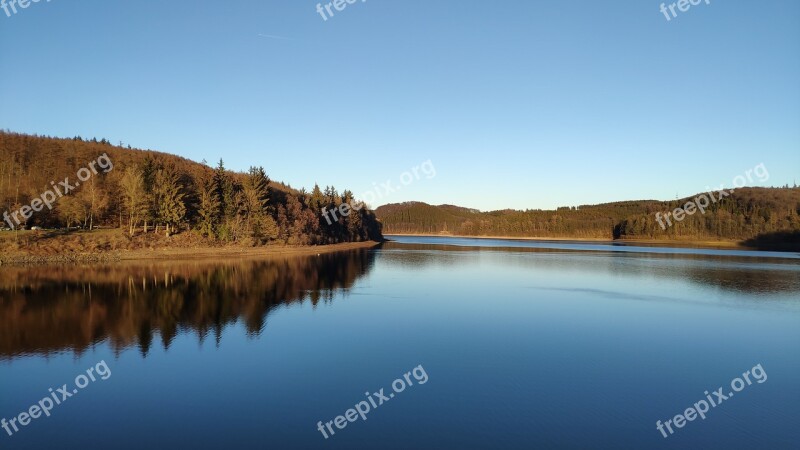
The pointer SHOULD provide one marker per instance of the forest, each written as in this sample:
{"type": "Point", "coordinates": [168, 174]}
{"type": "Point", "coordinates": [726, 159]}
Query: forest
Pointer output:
{"type": "Point", "coordinates": [748, 213]}
{"type": "Point", "coordinates": [152, 192]}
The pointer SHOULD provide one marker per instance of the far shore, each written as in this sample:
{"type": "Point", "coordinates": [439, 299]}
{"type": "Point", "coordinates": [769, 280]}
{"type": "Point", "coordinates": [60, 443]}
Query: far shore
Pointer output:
{"type": "Point", "coordinates": [724, 244]}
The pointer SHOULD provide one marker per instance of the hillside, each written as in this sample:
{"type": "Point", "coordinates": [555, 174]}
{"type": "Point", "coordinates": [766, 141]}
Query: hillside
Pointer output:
{"type": "Point", "coordinates": [758, 215]}
{"type": "Point", "coordinates": [69, 184]}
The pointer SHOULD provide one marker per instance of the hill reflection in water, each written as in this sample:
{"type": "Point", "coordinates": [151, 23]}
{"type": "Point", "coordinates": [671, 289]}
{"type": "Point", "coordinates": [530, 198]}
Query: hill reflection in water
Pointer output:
{"type": "Point", "coordinates": [53, 309]}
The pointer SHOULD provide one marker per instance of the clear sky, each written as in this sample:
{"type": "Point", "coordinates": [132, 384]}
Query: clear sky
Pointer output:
{"type": "Point", "coordinates": [517, 103]}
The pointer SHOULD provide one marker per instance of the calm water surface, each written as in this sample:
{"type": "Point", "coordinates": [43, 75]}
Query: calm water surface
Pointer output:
{"type": "Point", "coordinates": [523, 345]}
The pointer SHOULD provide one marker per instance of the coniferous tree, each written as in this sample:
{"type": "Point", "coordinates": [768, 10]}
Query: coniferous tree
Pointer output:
{"type": "Point", "coordinates": [256, 199]}
{"type": "Point", "coordinates": [169, 197]}
{"type": "Point", "coordinates": [208, 206]}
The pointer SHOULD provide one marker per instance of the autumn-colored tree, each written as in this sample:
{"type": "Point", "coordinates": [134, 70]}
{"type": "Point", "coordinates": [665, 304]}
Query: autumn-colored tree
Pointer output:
{"type": "Point", "coordinates": [133, 196]}
{"type": "Point", "coordinates": [72, 210]}
{"type": "Point", "coordinates": [97, 200]}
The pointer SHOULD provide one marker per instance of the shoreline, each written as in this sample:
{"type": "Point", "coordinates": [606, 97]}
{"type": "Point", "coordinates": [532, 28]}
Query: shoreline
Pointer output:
{"type": "Point", "coordinates": [240, 252]}
{"type": "Point", "coordinates": [181, 254]}
{"type": "Point", "coordinates": [722, 244]}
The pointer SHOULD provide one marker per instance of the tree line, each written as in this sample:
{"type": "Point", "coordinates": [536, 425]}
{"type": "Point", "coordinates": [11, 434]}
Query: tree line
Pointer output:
{"type": "Point", "coordinates": [746, 214]}
{"type": "Point", "coordinates": [152, 192]}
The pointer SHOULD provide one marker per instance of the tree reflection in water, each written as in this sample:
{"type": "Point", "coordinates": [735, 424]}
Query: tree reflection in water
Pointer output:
{"type": "Point", "coordinates": [54, 309]}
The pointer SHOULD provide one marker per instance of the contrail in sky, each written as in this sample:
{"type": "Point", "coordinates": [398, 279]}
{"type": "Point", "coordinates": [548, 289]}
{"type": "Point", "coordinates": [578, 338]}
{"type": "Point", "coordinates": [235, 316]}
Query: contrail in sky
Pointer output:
{"type": "Point", "coordinates": [274, 37]}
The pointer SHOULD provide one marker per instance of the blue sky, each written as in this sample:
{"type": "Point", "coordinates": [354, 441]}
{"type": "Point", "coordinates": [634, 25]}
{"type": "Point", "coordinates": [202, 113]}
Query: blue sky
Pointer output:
{"type": "Point", "coordinates": [520, 104]}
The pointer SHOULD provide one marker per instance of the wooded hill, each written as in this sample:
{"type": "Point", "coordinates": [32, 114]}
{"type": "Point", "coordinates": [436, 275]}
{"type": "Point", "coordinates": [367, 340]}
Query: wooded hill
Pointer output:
{"type": "Point", "coordinates": [748, 213]}
{"type": "Point", "coordinates": [148, 191]}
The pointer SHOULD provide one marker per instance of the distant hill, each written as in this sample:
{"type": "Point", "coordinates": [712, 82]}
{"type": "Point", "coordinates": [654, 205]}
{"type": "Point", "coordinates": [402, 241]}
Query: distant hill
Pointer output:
{"type": "Point", "coordinates": [747, 214]}
{"type": "Point", "coordinates": [146, 190]}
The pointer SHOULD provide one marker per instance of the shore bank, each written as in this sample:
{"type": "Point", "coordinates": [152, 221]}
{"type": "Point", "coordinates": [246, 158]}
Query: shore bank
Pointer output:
{"type": "Point", "coordinates": [167, 253]}
{"type": "Point", "coordinates": [241, 252]}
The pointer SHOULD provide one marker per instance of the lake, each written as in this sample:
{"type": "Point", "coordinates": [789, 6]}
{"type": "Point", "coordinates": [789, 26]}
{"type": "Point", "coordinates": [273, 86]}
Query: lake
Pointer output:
{"type": "Point", "coordinates": [474, 343]}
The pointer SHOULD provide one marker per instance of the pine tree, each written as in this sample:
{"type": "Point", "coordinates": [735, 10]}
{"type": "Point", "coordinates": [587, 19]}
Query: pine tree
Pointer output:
{"type": "Point", "coordinates": [260, 223]}
{"type": "Point", "coordinates": [208, 206]}
{"type": "Point", "coordinates": [169, 197]}
{"type": "Point", "coordinates": [229, 203]}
